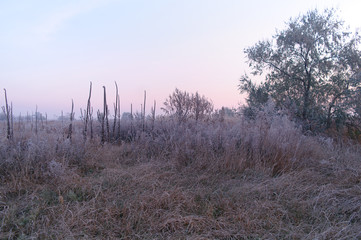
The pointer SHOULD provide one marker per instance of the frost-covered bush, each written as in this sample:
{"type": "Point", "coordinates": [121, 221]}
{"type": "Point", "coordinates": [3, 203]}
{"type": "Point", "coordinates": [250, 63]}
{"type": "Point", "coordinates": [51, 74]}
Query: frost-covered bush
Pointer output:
{"type": "Point", "coordinates": [275, 142]}
{"type": "Point", "coordinates": [269, 142]}
{"type": "Point", "coordinates": [39, 157]}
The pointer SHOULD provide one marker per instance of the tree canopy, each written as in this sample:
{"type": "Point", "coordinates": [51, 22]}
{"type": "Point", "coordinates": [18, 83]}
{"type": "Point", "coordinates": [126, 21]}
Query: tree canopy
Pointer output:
{"type": "Point", "coordinates": [312, 67]}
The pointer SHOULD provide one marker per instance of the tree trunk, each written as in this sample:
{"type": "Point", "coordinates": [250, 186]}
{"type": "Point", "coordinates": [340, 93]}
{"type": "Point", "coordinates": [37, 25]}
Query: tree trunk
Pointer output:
{"type": "Point", "coordinates": [306, 95]}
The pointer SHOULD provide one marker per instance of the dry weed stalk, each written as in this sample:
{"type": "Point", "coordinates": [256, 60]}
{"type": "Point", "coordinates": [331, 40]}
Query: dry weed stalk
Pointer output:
{"type": "Point", "coordinates": [91, 123]}
{"type": "Point", "coordinates": [70, 131]}
{"type": "Point", "coordinates": [116, 109]}
{"type": "Point", "coordinates": [153, 114]}
{"type": "Point", "coordinates": [143, 115]}
{"type": "Point", "coordinates": [87, 113]}
{"type": "Point", "coordinates": [12, 120]}
{"type": "Point", "coordinates": [118, 132]}
{"type": "Point", "coordinates": [36, 120]}
{"type": "Point", "coordinates": [9, 117]}
{"type": "Point", "coordinates": [104, 120]}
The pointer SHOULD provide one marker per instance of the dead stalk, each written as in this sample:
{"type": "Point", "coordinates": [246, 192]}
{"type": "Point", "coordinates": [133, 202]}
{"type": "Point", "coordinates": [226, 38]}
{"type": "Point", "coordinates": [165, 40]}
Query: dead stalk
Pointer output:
{"type": "Point", "coordinates": [145, 98]}
{"type": "Point", "coordinates": [103, 117]}
{"type": "Point", "coordinates": [118, 133]}
{"type": "Point", "coordinates": [7, 113]}
{"type": "Point", "coordinates": [116, 106]}
{"type": "Point", "coordinates": [91, 123]}
{"type": "Point", "coordinates": [87, 113]}
{"type": "Point", "coordinates": [36, 120]}
{"type": "Point", "coordinates": [153, 114]}
{"type": "Point", "coordinates": [71, 121]}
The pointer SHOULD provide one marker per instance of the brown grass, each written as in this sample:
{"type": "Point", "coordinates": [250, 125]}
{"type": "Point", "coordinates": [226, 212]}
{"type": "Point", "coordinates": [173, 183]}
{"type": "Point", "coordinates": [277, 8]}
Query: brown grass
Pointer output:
{"type": "Point", "coordinates": [230, 180]}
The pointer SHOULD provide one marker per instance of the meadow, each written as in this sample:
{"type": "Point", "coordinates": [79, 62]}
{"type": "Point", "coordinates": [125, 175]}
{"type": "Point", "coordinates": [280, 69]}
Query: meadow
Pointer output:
{"type": "Point", "coordinates": [222, 177]}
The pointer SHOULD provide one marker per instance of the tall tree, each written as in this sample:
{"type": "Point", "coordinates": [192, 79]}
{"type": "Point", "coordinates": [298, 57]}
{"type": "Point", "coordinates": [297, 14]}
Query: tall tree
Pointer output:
{"type": "Point", "coordinates": [312, 64]}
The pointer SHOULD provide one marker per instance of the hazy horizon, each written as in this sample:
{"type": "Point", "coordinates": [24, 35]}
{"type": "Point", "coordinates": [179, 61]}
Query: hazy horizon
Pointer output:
{"type": "Point", "coordinates": [51, 50]}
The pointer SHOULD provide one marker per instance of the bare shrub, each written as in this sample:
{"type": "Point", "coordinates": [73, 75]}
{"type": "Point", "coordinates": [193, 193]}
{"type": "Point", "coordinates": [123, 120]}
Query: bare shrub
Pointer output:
{"type": "Point", "coordinates": [183, 105]}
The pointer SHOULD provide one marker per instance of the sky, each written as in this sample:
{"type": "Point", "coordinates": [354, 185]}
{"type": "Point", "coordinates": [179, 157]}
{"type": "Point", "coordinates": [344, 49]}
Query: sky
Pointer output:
{"type": "Point", "coordinates": [50, 51]}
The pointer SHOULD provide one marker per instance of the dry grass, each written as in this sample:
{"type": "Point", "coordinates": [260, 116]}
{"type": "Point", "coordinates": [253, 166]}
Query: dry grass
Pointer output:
{"type": "Point", "coordinates": [216, 180]}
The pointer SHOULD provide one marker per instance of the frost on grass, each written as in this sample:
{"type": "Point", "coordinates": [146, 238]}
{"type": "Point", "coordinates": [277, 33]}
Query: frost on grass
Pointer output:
{"type": "Point", "coordinates": [219, 178]}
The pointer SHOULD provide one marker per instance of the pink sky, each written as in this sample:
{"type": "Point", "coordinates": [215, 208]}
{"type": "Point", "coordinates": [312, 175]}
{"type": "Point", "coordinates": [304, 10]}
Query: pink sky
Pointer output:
{"type": "Point", "coordinates": [51, 50]}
